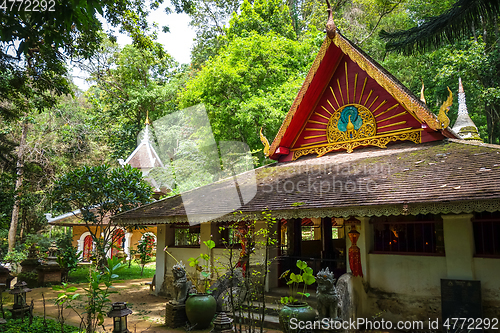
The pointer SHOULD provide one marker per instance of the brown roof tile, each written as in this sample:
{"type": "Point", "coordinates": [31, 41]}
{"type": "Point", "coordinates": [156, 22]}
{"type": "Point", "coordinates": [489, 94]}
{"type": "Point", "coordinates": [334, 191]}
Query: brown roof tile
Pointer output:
{"type": "Point", "coordinates": [402, 174]}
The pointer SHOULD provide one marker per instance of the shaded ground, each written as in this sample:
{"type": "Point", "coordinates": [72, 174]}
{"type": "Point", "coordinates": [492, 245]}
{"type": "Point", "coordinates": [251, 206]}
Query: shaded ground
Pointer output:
{"type": "Point", "coordinates": [148, 310]}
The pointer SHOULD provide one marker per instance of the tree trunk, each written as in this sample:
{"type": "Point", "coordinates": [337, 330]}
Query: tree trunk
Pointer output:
{"type": "Point", "coordinates": [19, 183]}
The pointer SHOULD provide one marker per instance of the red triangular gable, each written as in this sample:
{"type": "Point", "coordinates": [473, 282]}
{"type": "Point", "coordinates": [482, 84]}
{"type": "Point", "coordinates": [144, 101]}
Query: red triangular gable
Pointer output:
{"type": "Point", "coordinates": [349, 101]}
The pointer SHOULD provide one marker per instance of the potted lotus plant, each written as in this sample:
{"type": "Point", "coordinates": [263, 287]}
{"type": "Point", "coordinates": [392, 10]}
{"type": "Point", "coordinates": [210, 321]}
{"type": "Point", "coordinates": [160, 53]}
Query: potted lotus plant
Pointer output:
{"type": "Point", "coordinates": [294, 304]}
{"type": "Point", "coordinates": [201, 306]}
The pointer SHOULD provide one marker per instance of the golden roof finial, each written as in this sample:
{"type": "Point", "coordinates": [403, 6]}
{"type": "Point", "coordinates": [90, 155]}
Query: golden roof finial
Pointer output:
{"type": "Point", "coordinates": [265, 143]}
{"type": "Point", "coordinates": [422, 97]}
{"type": "Point", "coordinates": [147, 122]}
{"type": "Point", "coordinates": [331, 29]}
{"type": "Point", "coordinates": [444, 121]}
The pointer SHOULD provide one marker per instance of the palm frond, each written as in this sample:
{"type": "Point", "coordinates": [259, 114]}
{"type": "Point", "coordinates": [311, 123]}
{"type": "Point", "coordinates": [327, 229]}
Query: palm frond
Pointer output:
{"type": "Point", "coordinates": [455, 23]}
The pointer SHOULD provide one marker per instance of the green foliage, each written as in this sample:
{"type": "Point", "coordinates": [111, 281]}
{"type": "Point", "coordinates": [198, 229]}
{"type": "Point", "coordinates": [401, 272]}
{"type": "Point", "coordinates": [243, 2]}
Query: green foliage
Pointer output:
{"type": "Point", "coordinates": [145, 249]}
{"type": "Point", "coordinates": [204, 269]}
{"type": "Point", "coordinates": [97, 295]}
{"type": "Point", "coordinates": [132, 84]}
{"type": "Point", "coordinates": [39, 325]}
{"type": "Point", "coordinates": [305, 276]}
{"type": "Point", "coordinates": [81, 274]}
{"type": "Point", "coordinates": [261, 17]}
{"type": "Point", "coordinates": [14, 258]}
{"type": "Point", "coordinates": [452, 25]}
{"type": "Point", "coordinates": [68, 256]}
{"type": "Point", "coordinates": [250, 84]}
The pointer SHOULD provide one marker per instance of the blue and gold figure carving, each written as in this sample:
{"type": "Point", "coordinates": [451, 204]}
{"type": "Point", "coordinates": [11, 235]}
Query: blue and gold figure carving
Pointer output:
{"type": "Point", "coordinates": [351, 122]}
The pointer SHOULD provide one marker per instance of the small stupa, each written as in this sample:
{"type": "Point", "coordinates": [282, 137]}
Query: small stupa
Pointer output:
{"type": "Point", "coordinates": [145, 158]}
{"type": "Point", "coordinates": [464, 126]}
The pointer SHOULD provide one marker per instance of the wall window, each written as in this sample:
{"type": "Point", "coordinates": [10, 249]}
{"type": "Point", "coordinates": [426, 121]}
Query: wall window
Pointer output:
{"type": "Point", "coordinates": [231, 233]}
{"type": "Point", "coordinates": [307, 229]}
{"type": "Point", "coordinates": [487, 234]}
{"type": "Point", "coordinates": [421, 234]}
{"type": "Point", "coordinates": [186, 235]}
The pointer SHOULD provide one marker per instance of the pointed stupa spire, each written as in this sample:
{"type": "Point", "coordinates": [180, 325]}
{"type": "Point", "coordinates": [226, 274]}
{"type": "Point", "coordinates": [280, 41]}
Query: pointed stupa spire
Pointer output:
{"type": "Point", "coordinates": [464, 126]}
{"type": "Point", "coordinates": [146, 128]}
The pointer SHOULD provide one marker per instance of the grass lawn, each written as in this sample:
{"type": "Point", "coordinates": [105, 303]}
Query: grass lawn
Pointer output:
{"type": "Point", "coordinates": [37, 326]}
{"type": "Point", "coordinates": [80, 275]}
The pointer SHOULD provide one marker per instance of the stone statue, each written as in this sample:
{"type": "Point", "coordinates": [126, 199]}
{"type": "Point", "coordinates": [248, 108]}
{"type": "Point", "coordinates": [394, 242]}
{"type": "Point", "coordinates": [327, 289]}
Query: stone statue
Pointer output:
{"type": "Point", "coordinates": [227, 285]}
{"type": "Point", "coordinates": [328, 299]}
{"type": "Point", "coordinates": [181, 284]}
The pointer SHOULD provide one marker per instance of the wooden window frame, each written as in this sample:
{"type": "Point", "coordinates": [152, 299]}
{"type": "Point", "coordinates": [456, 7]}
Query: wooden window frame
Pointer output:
{"type": "Point", "coordinates": [423, 235]}
{"type": "Point", "coordinates": [178, 226]}
{"type": "Point", "coordinates": [486, 228]}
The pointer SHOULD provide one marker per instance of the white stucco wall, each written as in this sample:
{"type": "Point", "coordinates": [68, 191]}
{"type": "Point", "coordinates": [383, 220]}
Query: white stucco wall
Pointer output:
{"type": "Point", "coordinates": [487, 270]}
{"type": "Point", "coordinates": [408, 275]}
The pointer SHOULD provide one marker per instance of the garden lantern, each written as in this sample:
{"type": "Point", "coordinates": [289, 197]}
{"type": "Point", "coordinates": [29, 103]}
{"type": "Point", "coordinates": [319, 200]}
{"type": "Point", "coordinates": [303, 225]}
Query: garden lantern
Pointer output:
{"type": "Point", "coordinates": [19, 291]}
{"type": "Point", "coordinates": [119, 313]}
{"type": "Point", "coordinates": [222, 323]}
{"type": "Point", "coordinates": [20, 307]}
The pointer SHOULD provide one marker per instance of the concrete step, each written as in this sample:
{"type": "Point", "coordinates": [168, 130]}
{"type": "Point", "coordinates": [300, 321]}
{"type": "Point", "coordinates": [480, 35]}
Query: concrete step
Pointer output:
{"type": "Point", "coordinates": [270, 321]}
{"type": "Point", "coordinates": [271, 312]}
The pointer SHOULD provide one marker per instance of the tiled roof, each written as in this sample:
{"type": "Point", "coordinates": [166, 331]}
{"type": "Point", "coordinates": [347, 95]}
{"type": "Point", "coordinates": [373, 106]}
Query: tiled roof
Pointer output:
{"type": "Point", "coordinates": [144, 156]}
{"type": "Point", "coordinates": [372, 181]}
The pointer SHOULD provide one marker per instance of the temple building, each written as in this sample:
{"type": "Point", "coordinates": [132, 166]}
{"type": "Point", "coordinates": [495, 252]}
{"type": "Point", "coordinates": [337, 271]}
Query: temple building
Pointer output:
{"type": "Point", "coordinates": [144, 158]}
{"type": "Point", "coordinates": [366, 180]}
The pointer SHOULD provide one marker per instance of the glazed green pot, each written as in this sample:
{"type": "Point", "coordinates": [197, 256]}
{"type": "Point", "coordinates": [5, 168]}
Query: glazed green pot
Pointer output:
{"type": "Point", "coordinates": [200, 310]}
{"type": "Point", "coordinates": [297, 311]}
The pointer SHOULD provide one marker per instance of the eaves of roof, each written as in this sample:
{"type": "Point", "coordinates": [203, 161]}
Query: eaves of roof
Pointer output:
{"type": "Point", "coordinates": [451, 176]}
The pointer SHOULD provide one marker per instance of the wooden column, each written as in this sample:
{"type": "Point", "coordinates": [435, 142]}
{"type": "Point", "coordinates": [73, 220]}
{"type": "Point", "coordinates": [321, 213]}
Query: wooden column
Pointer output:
{"type": "Point", "coordinates": [294, 235]}
{"type": "Point", "coordinates": [326, 238]}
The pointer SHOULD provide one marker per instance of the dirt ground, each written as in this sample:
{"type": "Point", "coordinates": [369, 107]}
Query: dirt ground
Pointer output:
{"type": "Point", "coordinates": [148, 310]}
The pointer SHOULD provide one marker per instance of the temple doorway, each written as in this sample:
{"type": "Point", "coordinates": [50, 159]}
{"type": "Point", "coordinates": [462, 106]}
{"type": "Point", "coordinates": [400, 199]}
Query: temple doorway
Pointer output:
{"type": "Point", "coordinates": [318, 241]}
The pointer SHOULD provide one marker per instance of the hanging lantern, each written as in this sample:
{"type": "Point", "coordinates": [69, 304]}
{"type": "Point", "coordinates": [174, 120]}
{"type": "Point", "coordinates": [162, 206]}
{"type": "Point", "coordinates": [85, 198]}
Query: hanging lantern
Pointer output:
{"type": "Point", "coordinates": [354, 251]}
{"type": "Point", "coordinates": [119, 313]}
{"type": "Point", "coordinates": [222, 323]}
{"type": "Point", "coordinates": [19, 291]}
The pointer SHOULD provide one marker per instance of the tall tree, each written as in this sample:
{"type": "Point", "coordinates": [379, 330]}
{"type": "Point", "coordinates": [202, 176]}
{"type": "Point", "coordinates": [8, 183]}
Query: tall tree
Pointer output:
{"type": "Point", "coordinates": [461, 20]}
{"type": "Point", "coordinates": [34, 45]}
{"type": "Point", "coordinates": [131, 84]}
{"type": "Point", "coordinates": [251, 84]}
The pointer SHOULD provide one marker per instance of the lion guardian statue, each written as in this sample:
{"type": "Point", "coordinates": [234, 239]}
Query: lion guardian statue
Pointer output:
{"type": "Point", "coordinates": [181, 284]}
{"type": "Point", "coordinates": [326, 293]}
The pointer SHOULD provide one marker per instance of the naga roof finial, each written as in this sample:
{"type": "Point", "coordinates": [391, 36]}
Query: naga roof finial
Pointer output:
{"type": "Point", "coordinates": [264, 141]}
{"type": "Point", "coordinates": [444, 121]}
{"type": "Point", "coordinates": [331, 29]}
{"type": "Point", "coordinates": [422, 97]}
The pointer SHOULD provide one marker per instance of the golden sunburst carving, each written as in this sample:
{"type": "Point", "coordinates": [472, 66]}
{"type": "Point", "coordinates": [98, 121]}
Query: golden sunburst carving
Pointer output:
{"type": "Point", "coordinates": [346, 122]}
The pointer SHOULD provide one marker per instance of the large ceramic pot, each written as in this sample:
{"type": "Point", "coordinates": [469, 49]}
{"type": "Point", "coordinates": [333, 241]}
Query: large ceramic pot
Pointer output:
{"type": "Point", "coordinates": [200, 310]}
{"type": "Point", "coordinates": [296, 312]}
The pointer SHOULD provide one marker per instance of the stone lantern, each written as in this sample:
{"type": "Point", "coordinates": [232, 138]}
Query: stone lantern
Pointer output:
{"type": "Point", "coordinates": [119, 313]}
{"type": "Point", "coordinates": [222, 323]}
{"type": "Point", "coordinates": [5, 277]}
{"type": "Point", "coordinates": [50, 271]}
{"type": "Point", "coordinates": [20, 306]}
